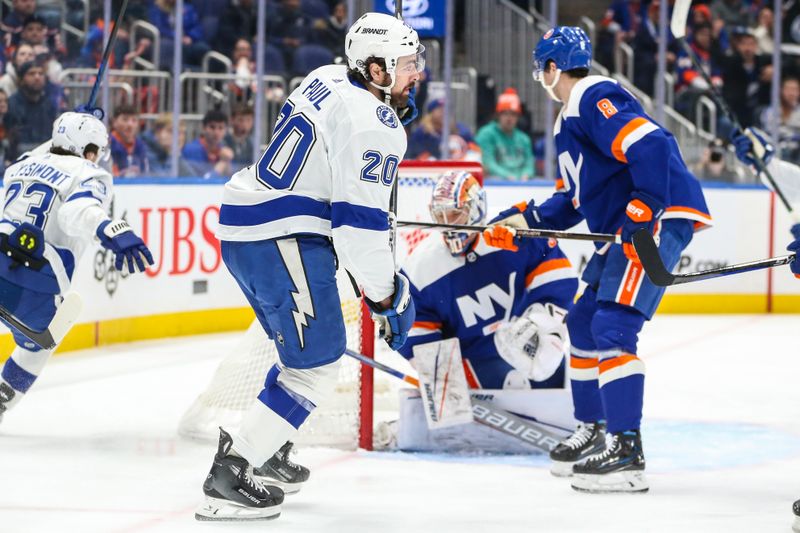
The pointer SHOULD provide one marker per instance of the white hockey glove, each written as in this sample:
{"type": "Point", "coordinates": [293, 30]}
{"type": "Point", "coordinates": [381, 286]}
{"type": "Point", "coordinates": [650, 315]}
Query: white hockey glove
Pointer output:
{"type": "Point", "coordinates": [535, 343]}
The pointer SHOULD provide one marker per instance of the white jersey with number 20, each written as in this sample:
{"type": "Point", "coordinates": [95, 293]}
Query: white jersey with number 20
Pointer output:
{"type": "Point", "coordinates": [328, 170]}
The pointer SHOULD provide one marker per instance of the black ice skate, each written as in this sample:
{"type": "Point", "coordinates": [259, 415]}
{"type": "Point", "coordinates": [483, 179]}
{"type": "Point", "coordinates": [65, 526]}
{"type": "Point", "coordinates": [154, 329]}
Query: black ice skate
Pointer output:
{"type": "Point", "coordinates": [619, 468]}
{"type": "Point", "coordinates": [232, 493]}
{"type": "Point", "coordinates": [281, 471]}
{"type": "Point", "coordinates": [587, 439]}
{"type": "Point", "coordinates": [796, 509]}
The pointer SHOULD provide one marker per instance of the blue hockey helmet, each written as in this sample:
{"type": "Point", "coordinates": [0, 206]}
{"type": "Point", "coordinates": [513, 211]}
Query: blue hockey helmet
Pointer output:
{"type": "Point", "coordinates": [567, 46]}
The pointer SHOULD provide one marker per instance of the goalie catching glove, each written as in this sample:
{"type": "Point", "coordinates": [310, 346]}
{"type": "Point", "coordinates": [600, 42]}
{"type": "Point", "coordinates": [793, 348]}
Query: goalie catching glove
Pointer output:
{"type": "Point", "coordinates": [396, 321]}
{"type": "Point", "coordinates": [534, 343]}
{"type": "Point", "coordinates": [117, 236]}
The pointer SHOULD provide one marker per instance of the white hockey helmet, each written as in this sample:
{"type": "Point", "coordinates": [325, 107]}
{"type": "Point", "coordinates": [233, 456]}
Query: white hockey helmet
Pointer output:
{"type": "Point", "coordinates": [74, 131]}
{"type": "Point", "coordinates": [458, 198]}
{"type": "Point", "coordinates": [386, 37]}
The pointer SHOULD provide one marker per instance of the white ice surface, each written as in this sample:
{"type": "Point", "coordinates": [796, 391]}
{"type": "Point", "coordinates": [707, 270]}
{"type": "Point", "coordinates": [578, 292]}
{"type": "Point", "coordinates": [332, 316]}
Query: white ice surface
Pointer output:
{"type": "Point", "coordinates": [93, 449]}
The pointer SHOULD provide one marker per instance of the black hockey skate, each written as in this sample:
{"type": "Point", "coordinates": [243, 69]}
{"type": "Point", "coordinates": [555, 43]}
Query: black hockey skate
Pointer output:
{"type": "Point", "coordinates": [796, 509]}
{"type": "Point", "coordinates": [587, 439]}
{"type": "Point", "coordinates": [232, 493]}
{"type": "Point", "coordinates": [619, 468]}
{"type": "Point", "coordinates": [281, 471]}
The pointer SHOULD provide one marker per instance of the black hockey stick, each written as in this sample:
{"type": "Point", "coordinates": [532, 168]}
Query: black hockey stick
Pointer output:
{"type": "Point", "coordinates": [398, 12]}
{"type": "Point", "coordinates": [527, 233]}
{"type": "Point", "coordinates": [89, 107]}
{"type": "Point", "coordinates": [680, 13]}
{"type": "Point", "coordinates": [654, 267]}
{"type": "Point", "coordinates": [485, 413]}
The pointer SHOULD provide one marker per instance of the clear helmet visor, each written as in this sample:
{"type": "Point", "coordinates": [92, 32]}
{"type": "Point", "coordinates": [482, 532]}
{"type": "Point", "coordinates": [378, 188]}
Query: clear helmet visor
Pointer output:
{"type": "Point", "coordinates": [411, 64]}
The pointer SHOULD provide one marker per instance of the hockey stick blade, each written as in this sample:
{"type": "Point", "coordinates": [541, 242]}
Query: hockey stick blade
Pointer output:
{"type": "Point", "coordinates": [526, 233]}
{"type": "Point", "coordinates": [680, 15]}
{"type": "Point", "coordinates": [483, 412]}
{"type": "Point", "coordinates": [66, 315]}
{"type": "Point", "coordinates": [657, 272]}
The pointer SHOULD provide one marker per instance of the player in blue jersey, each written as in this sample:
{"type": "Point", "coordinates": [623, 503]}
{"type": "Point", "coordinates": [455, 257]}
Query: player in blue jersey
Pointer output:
{"type": "Point", "coordinates": [320, 192]}
{"type": "Point", "coordinates": [787, 176]}
{"type": "Point", "coordinates": [620, 172]}
{"type": "Point", "coordinates": [507, 308]}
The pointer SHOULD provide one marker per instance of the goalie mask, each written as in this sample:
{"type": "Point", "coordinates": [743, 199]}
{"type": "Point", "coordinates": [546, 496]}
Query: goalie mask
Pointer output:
{"type": "Point", "coordinates": [458, 198]}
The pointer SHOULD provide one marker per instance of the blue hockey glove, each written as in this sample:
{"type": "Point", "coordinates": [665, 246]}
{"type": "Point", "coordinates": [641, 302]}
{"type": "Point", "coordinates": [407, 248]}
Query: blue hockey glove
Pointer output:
{"type": "Point", "coordinates": [794, 247]}
{"type": "Point", "coordinates": [642, 212]}
{"type": "Point", "coordinates": [117, 236]}
{"type": "Point", "coordinates": [410, 112]}
{"type": "Point", "coordinates": [396, 321]}
{"type": "Point", "coordinates": [750, 142]}
{"type": "Point", "coordinates": [501, 231]}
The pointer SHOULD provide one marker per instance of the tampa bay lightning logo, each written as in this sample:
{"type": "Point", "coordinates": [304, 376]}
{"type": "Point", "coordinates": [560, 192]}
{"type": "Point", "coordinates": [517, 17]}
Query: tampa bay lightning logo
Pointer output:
{"type": "Point", "coordinates": [387, 116]}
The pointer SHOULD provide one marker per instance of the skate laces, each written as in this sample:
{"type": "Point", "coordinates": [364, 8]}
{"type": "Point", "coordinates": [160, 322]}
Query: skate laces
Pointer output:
{"type": "Point", "coordinates": [580, 436]}
{"type": "Point", "coordinates": [611, 446]}
{"type": "Point", "coordinates": [252, 482]}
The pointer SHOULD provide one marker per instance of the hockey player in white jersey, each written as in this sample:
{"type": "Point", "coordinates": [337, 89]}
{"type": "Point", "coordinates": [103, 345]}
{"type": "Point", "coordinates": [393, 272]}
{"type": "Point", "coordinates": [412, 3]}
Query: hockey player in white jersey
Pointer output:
{"type": "Point", "coordinates": [319, 192]}
{"type": "Point", "coordinates": [56, 204]}
{"type": "Point", "coordinates": [787, 175]}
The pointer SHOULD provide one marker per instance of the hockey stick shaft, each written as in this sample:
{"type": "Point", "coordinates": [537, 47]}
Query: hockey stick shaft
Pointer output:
{"type": "Point", "coordinates": [656, 270]}
{"type": "Point", "coordinates": [66, 315]}
{"type": "Point", "coordinates": [527, 233]}
{"type": "Point", "coordinates": [484, 412]}
{"type": "Point", "coordinates": [398, 12]}
{"type": "Point", "coordinates": [106, 54]}
{"type": "Point", "coordinates": [681, 10]}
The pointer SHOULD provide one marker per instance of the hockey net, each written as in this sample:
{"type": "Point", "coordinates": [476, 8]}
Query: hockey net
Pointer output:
{"type": "Point", "coordinates": [346, 420]}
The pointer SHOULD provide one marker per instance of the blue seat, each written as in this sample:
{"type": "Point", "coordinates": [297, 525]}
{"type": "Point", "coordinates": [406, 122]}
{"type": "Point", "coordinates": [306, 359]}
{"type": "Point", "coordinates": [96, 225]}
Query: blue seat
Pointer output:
{"type": "Point", "coordinates": [310, 56]}
{"type": "Point", "coordinates": [273, 61]}
{"type": "Point", "coordinates": [315, 9]}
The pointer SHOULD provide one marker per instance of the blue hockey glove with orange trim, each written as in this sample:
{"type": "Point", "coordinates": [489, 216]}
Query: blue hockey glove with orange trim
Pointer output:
{"type": "Point", "coordinates": [501, 232]}
{"type": "Point", "coordinates": [642, 212]}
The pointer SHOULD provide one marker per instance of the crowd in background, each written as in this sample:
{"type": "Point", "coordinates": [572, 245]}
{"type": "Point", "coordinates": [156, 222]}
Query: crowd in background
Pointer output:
{"type": "Point", "coordinates": [733, 39]}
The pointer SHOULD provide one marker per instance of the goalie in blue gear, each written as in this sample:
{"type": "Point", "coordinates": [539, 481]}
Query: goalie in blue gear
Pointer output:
{"type": "Point", "coordinates": [620, 171]}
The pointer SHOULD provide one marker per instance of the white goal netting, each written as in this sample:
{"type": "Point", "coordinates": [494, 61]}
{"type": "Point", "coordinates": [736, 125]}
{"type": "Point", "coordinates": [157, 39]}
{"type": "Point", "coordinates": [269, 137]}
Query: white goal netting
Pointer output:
{"type": "Point", "coordinates": [345, 421]}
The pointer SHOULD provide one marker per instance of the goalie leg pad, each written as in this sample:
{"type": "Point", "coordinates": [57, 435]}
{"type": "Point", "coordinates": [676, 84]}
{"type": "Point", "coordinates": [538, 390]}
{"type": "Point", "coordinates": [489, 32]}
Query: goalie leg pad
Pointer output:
{"type": "Point", "coordinates": [288, 397]}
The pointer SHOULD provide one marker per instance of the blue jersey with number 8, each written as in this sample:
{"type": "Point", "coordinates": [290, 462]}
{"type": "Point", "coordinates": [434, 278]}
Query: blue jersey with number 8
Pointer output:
{"type": "Point", "coordinates": [328, 170]}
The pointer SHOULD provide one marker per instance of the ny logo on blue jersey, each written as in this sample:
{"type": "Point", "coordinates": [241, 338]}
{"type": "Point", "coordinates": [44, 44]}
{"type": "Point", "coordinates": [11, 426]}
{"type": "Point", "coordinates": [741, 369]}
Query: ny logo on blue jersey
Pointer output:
{"type": "Point", "coordinates": [571, 172]}
{"type": "Point", "coordinates": [482, 306]}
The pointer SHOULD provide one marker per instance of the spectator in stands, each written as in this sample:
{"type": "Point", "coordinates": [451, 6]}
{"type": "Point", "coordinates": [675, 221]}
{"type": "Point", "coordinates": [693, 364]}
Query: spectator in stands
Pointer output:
{"type": "Point", "coordinates": [3, 136]}
{"type": "Point", "coordinates": [288, 28]}
{"type": "Point", "coordinates": [617, 25]}
{"type": "Point", "coordinates": [715, 166]}
{"type": "Point", "coordinates": [206, 155]}
{"type": "Point", "coordinates": [34, 31]}
{"type": "Point", "coordinates": [731, 12]}
{"type": "Point", "coordinates": [506, 152]}
{"type": "Point", "coordinates": [31, 111]}
{"type": "Point", "coordinates": [237, 22]}
{"type": "Point", "coordinates": [331, 32]}
{"type": "Point", "coordinates": [9, 81]}
{"type": "Point", "coordinates": [747, 76]}
{"type": "Point", "coordinates": [763, 31]}
{"type": "Point", "coordinates": [425, 141]}
{"type": "Point", "coordinates": [158, 143]}
{"type": "Point", "coordinates": [13, 22]}
{"type": "Point", "coordinates": [240, 137]}
{"type": "Point", "coordinates": [162, 15]}
{"type": "Point", "coordinates": [128, 151]}
{"type": "Point", "coordinates": [645, 43]}
{"type": "Point", "coordinates": [789, 125]}
{"type": "Point", "coordinates": [690, 84]}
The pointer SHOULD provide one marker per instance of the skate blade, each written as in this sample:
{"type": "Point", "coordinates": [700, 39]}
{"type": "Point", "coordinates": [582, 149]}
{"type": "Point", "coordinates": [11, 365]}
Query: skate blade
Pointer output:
{"type": "Point", "coordinates": [561, 468]}
{"type": "Point", "coordinates": [625, 481]}
{"type": "Point", "coordinates": [217, 510]}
